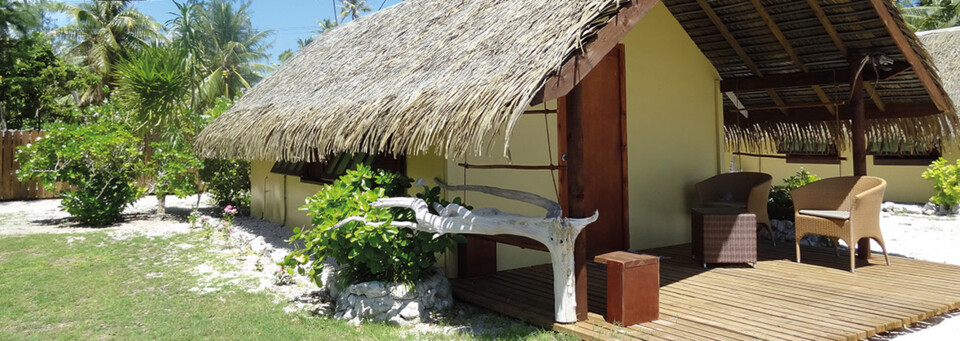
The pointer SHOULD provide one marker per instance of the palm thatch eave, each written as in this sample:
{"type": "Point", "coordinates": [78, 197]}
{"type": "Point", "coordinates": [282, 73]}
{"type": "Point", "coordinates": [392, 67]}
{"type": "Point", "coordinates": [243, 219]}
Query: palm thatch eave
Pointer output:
{"type": "Point", "coordinates": [421, 76]}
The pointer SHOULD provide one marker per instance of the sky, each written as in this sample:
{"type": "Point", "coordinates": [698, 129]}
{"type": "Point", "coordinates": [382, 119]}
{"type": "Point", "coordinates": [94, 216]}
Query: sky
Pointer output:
{"type": "Point", "coordinates": [289, 19]}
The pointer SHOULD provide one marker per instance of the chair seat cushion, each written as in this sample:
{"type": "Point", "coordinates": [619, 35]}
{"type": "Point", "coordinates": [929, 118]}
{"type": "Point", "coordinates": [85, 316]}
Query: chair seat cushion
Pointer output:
{"type": "Point", "coordinates": [828, 214]}
{"type": "Point", "coordinates": [725, 204]}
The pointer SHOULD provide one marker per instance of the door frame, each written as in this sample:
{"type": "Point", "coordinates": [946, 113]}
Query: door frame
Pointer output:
{"type": "Point", "coordinates": [562, 146]}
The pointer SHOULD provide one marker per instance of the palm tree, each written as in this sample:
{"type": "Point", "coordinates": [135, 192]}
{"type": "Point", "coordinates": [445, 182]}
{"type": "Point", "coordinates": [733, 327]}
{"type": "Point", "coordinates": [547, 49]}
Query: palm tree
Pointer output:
{"type": "Point", "coordinates": [102, 33]}
{"type": "Point", "coordinates": [326, 25]}
{"type": "Point", "coordinates": [301, 43]}
{"type": "Point", "coordinates": [16, 17]}
{"type": "Point", "coordinates": [352, 8]}
{"type": "Point", "coordinates": [222, 44]}
{"type": "Point", "coordinates": [152, 82]}
{"type": "Point", "coordinates": [926, 15]}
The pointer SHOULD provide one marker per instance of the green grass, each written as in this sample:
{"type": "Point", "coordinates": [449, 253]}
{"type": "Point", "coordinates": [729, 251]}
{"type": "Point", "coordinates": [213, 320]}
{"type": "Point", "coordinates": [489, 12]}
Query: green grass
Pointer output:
{"type": "Point", "coordinates": [99, 288]}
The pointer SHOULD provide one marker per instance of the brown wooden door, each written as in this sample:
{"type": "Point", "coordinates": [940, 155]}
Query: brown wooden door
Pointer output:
{"type": "Point", "coordinates": [604, 157]}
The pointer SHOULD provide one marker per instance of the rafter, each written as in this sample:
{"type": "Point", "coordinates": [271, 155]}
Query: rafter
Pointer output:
{"type": "Point", "coordinates": [827, 105]}
{"type": "Point", "coordinates": [828, 26]}
{"type": "Point", "coordinates": [838, 76]}
{"type": "Point", "coordinates": [919, 67]}
{"type": "Point", "coordinates": [772, 25]}
{"type": "Point", "coordinates": [842, 48]}
{"type": "Point", "coordinates": [893, 110]}
{"type": "Point", "coordinates": [872, 91]}
{"type": "Point", "coordinates": [738, 49]}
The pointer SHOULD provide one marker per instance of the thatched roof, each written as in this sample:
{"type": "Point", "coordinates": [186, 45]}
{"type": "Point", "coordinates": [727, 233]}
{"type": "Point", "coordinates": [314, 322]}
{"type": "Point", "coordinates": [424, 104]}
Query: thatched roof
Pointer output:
{"type": "Point", "coordinates": [444, 76]}
{"type": "Point", "coordinates": [944, 47]}
{"type": "Point", "coordinates": [419, 76]}
{"type": "Point", "coordinates": [905, 105]}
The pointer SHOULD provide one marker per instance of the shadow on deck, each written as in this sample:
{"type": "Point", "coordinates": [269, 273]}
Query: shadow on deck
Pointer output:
{"type": "Point", "coordinates": [779, 300]}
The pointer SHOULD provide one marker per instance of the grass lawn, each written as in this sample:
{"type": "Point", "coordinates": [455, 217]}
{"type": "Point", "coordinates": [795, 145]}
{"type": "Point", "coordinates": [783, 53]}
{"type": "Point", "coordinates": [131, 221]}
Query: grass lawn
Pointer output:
{"type": "Point", "coordinates": [91, 286]}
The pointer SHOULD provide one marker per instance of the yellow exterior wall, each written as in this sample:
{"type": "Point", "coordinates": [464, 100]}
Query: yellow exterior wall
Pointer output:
{"type": "Point", "coordinates": [530, 146]}
{"type": "Point", "coordinates": [904, 183]}
{"type": "Point", "coordinates": [269, 193]}
{"type": "Point", "coordinates": [673, 142]}
{"type": "Point", "coordinates": [672, 128]}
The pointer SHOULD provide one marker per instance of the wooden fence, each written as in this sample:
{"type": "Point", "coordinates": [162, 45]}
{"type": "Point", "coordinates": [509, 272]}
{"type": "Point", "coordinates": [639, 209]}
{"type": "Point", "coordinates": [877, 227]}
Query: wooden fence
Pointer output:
{"type": "Point", "coordinates": [10, 188]}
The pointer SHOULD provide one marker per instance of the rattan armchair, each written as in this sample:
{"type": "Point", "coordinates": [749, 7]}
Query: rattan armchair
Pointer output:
{"type": "Point", "coordinates": [845, 208]}
{"type": "Point", "coordinates": [745, 190]}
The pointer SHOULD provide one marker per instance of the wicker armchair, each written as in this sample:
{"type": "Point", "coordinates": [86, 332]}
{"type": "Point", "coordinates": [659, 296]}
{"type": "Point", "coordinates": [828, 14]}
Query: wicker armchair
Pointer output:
{"type": "Point", "coordinates": [846, 208]}
{"type": "Point", "coordinates": [746, 190]}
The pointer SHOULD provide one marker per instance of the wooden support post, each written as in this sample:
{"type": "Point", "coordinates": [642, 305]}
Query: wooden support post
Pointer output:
{"type": "Point", "coordinates": [575, 188]}
{"type": "Point", "coordinates": [476, 258]}
{"type": "Point", "coordinates": [858, 136]}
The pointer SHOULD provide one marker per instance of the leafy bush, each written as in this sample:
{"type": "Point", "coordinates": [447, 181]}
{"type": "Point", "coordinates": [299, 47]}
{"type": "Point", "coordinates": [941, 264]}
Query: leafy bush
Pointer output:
{"type": "Point", "coordinates": [227, 180]}
{"type": "Point", "coordinates": [99, 162]}
{"type": "Point", "coordinates": [946, 181]}
{"type": "Point", "coordinates": [175, 172]}
{"type": "Point", "coordinates": [35, 83]}
{"type": "Point", "coordinates": [366, 252]}
{"type": "Point", "coordinates": [781, 205]}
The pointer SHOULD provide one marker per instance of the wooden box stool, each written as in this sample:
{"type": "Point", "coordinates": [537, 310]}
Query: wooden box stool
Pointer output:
{"type": "Point", "coordinates": [633, 287]}
{"type": "Point", "coordinates": [724, 235]}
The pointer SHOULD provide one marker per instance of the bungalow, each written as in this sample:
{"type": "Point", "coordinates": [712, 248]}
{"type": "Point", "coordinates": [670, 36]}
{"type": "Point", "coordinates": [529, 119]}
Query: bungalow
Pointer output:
{"type": "Point", "coordinates": [611, 105]}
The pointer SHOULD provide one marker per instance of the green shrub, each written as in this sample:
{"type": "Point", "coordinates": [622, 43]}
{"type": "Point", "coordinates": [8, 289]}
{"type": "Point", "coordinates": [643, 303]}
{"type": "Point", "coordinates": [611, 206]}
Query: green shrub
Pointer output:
{"type": "Point", "coordinates": [174, 168]}
{"type": "Point", "coordinates": [99, 163]}
{"type": "Point", "coordinates": [227, 180]}
{"type": "Point", "coordinates": [366, 252]}
{"type": "Point", "coordinates": [946, 181]}
{"type": "Point", "coordinates": [781, 205]}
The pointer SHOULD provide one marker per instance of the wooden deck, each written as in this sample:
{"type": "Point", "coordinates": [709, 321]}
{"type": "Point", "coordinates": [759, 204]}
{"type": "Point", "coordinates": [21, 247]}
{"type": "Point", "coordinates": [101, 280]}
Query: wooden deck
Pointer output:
{"type": "Point", "coordinates": [779, 300]}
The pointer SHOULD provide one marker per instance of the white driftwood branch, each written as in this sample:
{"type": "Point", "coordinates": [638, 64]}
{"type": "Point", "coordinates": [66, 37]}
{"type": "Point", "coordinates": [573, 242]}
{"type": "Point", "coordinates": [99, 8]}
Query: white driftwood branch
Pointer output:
{"type": "Point", "coordinates": [553, 208]}
{"type": "Point", "coordinates": [556, 233]}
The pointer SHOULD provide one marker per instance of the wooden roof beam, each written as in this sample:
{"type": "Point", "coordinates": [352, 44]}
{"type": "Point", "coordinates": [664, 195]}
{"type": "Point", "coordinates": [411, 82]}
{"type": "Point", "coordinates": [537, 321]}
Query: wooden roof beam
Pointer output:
{"type": "Point", "coordinates": [725, 32]}
{"type": "Point", "coordinates": [608, 36]}
{"type": "Point", "coordinates": [827, 105]}
{"type": "Point", "coordinates": [788, 48]}
{"type": "Point", "coordinates": [893, 110]}
{"type": "Point", "coordinates": [828, 26]}
{"type": "Point", "coordinates": [826, 77]}
{"type": "Point", "coordinates": [842, 48]}
{"type": "Point", "coordinates": [874, 95]}
{"type": "Point", "coordinates": [919, 68]}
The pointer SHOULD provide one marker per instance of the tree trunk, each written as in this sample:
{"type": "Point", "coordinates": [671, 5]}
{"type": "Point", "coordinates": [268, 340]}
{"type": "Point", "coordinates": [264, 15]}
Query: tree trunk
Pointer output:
{"type": "Point", "coordinates": [3, 120]}
{"type": "Point", "coordinates": [161, 204]}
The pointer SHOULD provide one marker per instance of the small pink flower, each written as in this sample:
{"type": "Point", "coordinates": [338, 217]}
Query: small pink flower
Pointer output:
{"type": "Point", "coordinates": [223, 223]}
{"type": "Point", "coordinates": [230, 209]}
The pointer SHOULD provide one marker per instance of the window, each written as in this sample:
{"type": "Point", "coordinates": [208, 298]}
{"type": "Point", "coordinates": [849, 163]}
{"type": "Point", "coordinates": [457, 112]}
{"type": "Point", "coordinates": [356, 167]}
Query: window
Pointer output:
{"type": "Point", "coordinates": [808, 152]}
{"type": "Point", "coordinates": [901, 154]}
{"type": "Point", "coordinates": [334, 167]}
{"type": "Point", "coordinates": [288, 168]}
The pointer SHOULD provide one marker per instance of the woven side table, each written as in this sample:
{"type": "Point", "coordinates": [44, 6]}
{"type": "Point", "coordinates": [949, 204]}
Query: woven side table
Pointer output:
{"type": "Point", "coordinates": [724, 235]}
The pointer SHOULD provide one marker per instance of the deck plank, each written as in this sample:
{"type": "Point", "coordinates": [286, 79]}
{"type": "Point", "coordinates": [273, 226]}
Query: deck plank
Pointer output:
{"type": "Point", "coordinates": [779, 300]}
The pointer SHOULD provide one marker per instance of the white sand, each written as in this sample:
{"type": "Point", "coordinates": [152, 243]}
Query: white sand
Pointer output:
{"type": "Point", "coordinates": [47, 216]}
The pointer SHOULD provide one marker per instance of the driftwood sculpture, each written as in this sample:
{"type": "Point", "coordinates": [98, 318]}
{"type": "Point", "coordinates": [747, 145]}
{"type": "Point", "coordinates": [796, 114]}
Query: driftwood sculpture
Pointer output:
{"type": "Point", "coordinates": [554, 231]}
